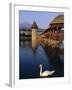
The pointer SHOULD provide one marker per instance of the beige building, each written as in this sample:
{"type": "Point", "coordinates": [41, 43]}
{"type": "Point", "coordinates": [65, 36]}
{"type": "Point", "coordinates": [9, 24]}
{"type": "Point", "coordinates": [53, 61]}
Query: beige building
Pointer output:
{"type": "Point", "coordinates": [34, 34]}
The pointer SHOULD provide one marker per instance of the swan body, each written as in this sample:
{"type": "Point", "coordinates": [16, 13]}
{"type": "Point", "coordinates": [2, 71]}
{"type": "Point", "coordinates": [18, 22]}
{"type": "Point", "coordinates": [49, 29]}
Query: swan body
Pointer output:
{"type": "Point", "coordinates": [45, 73]}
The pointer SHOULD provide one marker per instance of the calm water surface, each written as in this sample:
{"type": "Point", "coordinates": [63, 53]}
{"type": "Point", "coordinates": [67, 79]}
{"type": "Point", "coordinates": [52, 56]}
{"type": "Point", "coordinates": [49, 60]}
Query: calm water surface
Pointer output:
{"type": "Point", "coordinates": [30, 59]}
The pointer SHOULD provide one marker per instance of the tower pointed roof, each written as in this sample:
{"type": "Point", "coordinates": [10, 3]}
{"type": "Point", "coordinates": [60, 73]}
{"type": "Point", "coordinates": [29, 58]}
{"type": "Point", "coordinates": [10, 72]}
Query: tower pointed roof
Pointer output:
{"type": "Point", "coordinates": [34, 25]}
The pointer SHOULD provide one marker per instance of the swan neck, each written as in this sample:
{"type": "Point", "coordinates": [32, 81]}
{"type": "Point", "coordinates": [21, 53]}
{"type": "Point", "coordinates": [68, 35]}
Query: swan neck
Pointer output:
{"type": "Point", "coordinates": [40, 69]}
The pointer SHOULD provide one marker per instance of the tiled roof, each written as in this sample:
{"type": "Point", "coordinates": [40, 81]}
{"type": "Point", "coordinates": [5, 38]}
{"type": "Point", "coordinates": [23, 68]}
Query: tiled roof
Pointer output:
{"type": "Point", "coordinates": [58, 19]}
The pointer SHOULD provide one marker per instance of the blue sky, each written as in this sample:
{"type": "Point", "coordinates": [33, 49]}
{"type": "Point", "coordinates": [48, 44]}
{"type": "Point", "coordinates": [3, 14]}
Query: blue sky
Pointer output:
{"type": "Point", "coordinates": [42, 18]}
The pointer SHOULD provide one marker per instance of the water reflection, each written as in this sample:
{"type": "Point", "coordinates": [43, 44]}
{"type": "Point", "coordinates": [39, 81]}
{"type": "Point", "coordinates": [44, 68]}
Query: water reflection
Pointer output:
{"type": "Point", "coordinates": [32, 54]}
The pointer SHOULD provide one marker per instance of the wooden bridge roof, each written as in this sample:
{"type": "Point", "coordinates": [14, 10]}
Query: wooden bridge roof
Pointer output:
{"type": "Point", "coordinates": [58, 19]}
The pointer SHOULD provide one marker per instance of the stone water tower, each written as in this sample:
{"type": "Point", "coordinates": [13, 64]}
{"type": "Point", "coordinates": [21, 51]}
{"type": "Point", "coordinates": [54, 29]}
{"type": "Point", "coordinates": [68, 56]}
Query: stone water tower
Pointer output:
{"type": "Point", "coordinates": [34, 34]}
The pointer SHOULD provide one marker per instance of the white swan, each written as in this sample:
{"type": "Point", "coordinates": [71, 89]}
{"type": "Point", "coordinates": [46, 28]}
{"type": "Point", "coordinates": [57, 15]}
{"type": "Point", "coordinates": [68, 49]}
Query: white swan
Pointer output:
{"type": "Point", "coordinates": [45, 73]}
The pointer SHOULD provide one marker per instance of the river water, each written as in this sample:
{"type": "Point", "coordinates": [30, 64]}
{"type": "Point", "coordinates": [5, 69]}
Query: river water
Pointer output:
{"type": "Point", "coordinates": [30, 59]}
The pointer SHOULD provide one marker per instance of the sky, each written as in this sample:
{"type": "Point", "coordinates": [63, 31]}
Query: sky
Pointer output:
{"type": "Point", "coordinates": [42, 18]}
